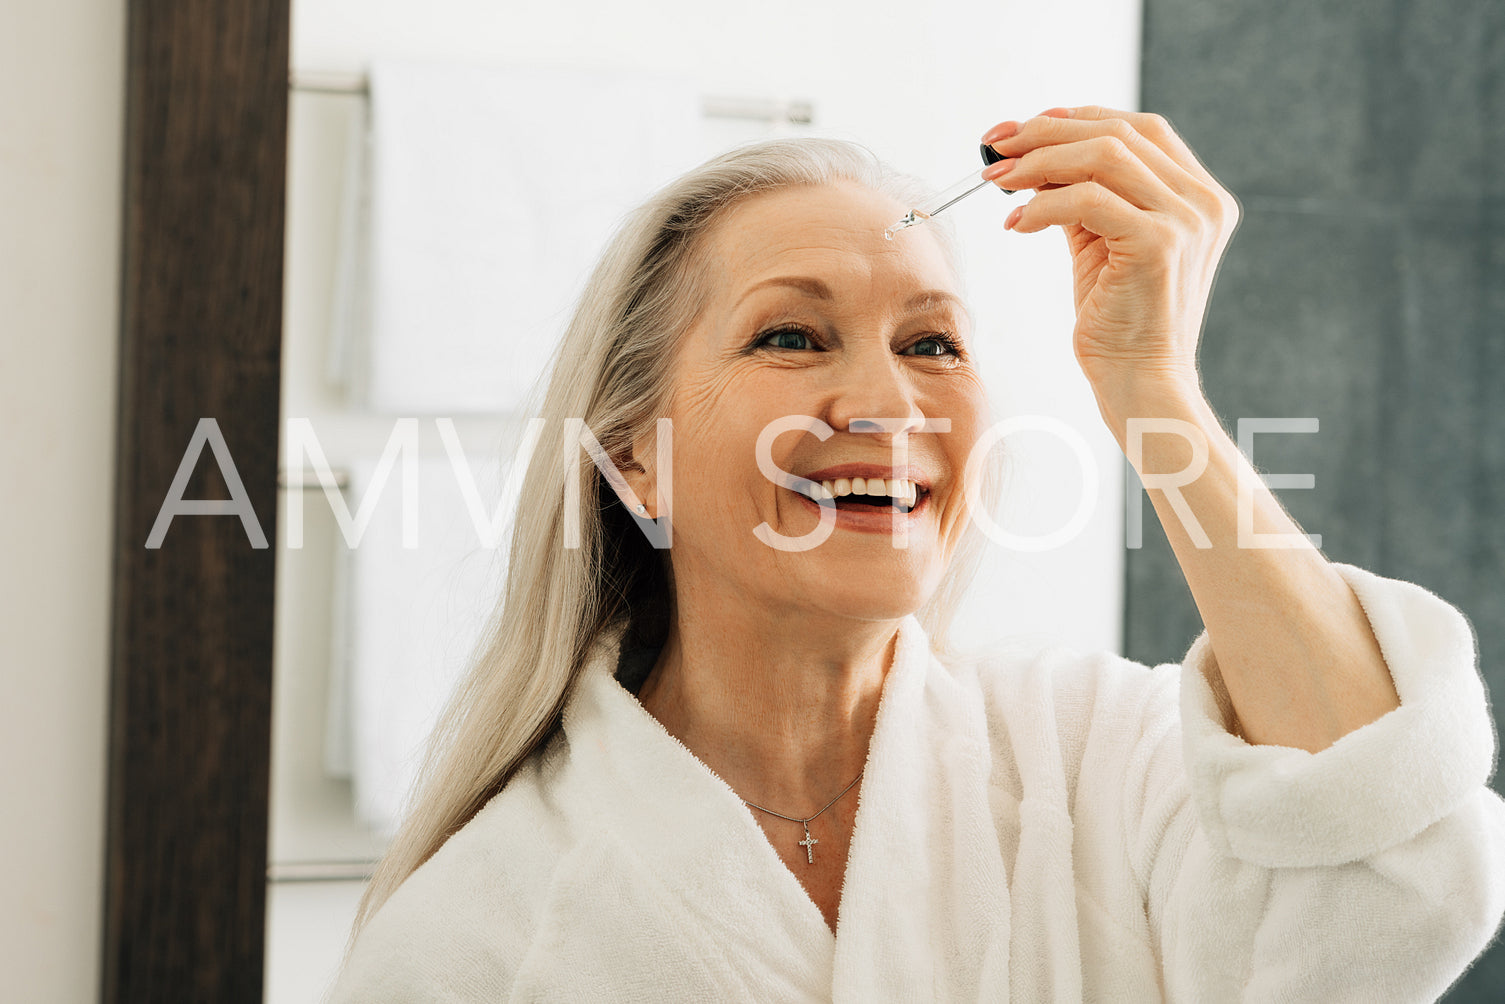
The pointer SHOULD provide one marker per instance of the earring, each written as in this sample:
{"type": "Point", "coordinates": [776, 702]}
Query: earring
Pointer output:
{"type": "Point", "coordinates": [641, 510]}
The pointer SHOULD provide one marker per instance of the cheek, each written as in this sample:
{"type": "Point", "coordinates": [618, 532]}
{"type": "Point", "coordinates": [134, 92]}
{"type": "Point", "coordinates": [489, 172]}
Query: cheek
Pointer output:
{"type": "Point", "coordinates": [965, 401]}
{"type": "Point", "coordinates": [967, 409]}
{"type": "Point", "coordinates": [704, 426]}
{"type": "Point", "coordinates": [715, 468]}
{"type": "Point", "coordinates": [721, 416]}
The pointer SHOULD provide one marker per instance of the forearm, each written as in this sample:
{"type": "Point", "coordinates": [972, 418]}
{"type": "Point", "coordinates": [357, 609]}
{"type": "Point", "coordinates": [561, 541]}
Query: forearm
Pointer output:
{"type": "Point", "coordinates": [1146, 225]}
{"type": "Point", "coordinates": [1297, 656]}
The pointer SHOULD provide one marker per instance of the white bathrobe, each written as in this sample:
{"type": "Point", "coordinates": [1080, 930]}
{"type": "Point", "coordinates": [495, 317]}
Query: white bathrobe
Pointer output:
{"type": "Point", "coordinates": [1056, 827]}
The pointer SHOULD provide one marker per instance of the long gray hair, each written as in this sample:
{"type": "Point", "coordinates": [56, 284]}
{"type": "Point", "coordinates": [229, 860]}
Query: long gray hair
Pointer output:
{"type": "Point", "coordinates": [612, 369]}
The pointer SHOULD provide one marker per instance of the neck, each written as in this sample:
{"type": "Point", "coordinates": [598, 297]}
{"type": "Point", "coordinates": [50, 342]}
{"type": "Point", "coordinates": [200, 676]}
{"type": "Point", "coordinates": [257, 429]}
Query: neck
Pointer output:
{"type": "Point", "coordinates": [780, 708]}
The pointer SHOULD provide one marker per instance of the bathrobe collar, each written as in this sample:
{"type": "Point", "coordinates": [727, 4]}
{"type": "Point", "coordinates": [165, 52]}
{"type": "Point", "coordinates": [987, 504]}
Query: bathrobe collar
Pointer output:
{"type": "Point", "coordinates": [924, 801]}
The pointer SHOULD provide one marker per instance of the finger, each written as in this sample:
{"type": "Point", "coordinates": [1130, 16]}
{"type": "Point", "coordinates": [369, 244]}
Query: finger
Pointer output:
{"type": "Point", "coordinates": [1089, 206]}
{"type": "Point", "coordinates": [1106, 160]}
{"type": "Point", "coordinates": [1047, 130]}
{"type": "Point", "coordinates": [1155, 128]}
{"type": "Point", "coordinates": [1199, 189]}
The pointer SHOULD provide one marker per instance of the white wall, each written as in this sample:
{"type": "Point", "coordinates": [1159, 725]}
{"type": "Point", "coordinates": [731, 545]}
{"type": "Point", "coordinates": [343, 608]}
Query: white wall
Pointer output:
{"type": "Point", "coordinates": [61, 119]}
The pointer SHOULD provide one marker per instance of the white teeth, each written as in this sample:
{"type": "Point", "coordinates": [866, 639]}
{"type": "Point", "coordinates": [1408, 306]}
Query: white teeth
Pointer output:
{"type": "Point", "coordinates": [901, 489]}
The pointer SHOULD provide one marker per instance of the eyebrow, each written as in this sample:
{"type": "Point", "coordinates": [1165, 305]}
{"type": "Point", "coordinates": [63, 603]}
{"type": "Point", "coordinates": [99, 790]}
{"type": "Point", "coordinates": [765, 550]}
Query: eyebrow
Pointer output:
{"type": "Point", "coordinates": [813, 287]}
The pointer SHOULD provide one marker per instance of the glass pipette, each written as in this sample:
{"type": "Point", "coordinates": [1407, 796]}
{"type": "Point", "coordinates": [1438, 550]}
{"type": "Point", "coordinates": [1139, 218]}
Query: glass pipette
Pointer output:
{"type": "Point", "coordinates": [948, 197]}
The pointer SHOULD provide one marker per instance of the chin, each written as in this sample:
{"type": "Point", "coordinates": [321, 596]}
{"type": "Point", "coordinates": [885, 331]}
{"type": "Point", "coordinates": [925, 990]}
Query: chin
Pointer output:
{"type": "Point", "coordinates": [877, 600]}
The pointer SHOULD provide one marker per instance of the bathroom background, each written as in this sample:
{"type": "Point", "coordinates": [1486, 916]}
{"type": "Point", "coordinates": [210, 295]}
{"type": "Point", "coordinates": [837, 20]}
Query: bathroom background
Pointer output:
{"type": "Point", "coordinates": [1366, 288]}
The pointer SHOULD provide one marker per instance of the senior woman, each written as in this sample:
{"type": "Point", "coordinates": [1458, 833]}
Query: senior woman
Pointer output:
{"type": "Point", "coordinates": [734, 768]}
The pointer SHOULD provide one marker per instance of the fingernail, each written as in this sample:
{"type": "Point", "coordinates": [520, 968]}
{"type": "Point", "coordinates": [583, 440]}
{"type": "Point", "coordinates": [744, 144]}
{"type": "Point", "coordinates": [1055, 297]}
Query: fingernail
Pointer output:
{"type": "Point", "coordinates": [995, 171]}
{"type": "Point", "coordinates": [1058, 113]}
{"type": "Point", "coordinates": [1013, 219]}
{"type": "Point", "coordinates": [1001, 131]}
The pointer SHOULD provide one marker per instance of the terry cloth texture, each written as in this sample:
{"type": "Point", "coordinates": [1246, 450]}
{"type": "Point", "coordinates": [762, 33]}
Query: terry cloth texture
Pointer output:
{"type": "Point", "coordinates": [1050, 827]}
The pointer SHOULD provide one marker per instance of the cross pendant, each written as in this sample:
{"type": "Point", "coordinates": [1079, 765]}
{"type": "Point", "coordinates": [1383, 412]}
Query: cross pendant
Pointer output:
{"type": "Point", "coordinates": [809, 845]}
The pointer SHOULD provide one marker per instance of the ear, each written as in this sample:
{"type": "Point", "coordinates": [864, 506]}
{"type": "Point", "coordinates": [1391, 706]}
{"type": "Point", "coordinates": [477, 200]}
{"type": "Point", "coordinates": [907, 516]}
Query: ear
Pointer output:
{"type": "Point", "coordinates": [638, 470]}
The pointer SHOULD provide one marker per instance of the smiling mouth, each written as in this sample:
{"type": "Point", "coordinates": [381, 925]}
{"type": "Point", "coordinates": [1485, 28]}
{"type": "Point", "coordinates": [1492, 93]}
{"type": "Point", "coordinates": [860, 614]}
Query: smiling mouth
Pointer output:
{"type": "Point", "coordinates": [873, 494]}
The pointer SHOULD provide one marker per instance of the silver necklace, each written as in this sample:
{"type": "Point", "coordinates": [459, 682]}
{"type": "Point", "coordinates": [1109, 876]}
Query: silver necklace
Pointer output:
{"type": "Point", "coordinates": [809, 842]}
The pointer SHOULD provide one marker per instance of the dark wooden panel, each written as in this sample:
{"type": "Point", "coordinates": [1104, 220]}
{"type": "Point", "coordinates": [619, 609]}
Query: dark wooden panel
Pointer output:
{"type": "Point", "coordinates": [200, 336]}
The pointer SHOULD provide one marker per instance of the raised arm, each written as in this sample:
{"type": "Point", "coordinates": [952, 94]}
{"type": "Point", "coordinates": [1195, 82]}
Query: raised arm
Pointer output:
{"type": "Point", "coordinates": [1296, 663]}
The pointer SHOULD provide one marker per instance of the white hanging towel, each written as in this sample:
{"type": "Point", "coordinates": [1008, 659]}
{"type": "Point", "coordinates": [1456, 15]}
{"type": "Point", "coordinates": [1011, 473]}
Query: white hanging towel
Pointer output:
{"type": "Point", "coordinates": [491, 192]}
{"type": "Point", "coordinates": [411, 619]}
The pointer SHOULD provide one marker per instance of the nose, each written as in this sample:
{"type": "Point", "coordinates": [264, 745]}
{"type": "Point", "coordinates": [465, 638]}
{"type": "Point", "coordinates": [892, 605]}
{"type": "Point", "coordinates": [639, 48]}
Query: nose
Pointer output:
{"type": "Point", "coordinates": [874, 395]}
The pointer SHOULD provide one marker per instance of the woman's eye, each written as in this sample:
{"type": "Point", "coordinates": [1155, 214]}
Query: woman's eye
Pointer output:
{"type": "Point", "coordinates": [787, 338]}
{"type": "Point", "coordinates": [934, 346]}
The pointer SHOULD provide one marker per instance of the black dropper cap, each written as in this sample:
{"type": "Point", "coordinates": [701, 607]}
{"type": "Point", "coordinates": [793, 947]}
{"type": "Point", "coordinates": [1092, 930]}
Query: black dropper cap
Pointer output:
{"type": "Point", "coordinates": [992, 156]}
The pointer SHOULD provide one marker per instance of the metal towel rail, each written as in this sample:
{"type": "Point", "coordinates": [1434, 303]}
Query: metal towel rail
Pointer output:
{"type": "Point", "coordinates": [797, 112]}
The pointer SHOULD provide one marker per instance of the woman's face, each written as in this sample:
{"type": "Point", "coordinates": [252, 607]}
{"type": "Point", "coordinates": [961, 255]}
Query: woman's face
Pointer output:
{"type": "Point", "coordinates": [814, 313]}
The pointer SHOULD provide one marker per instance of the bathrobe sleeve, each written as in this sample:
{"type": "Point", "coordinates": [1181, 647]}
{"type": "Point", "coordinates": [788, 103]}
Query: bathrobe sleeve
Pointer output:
{"type": "Point", "coordinates": [1373, 870]}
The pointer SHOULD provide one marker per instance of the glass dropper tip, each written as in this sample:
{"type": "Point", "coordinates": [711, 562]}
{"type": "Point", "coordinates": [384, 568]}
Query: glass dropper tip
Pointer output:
{"type": "Point", "coordinates": [911, 218]}
{"type": "Point", "coordinates": [944, 199]}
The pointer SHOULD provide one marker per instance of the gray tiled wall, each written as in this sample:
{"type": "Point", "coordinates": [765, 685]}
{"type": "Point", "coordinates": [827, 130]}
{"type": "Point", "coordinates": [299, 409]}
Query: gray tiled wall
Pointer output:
{"type": "Point", "coordinates": [1365, 287]}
